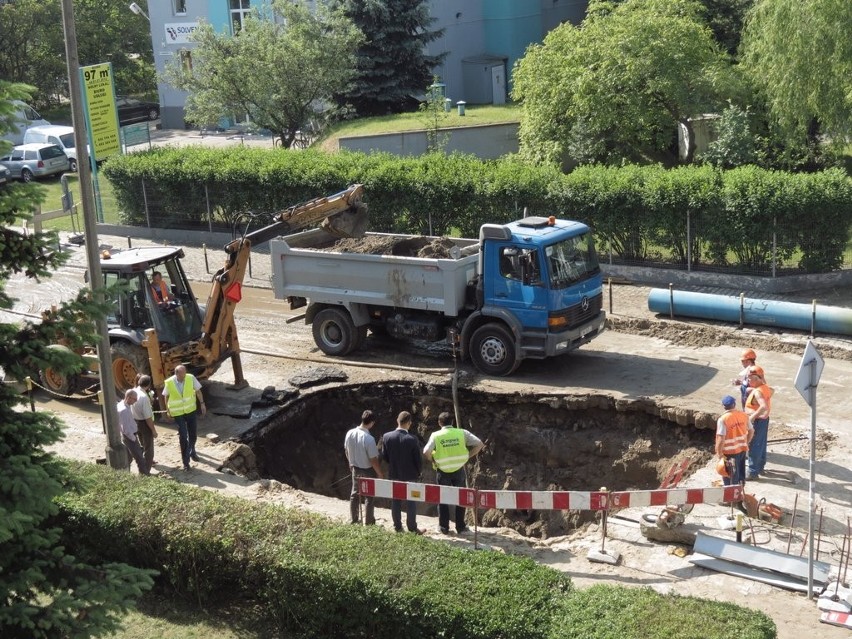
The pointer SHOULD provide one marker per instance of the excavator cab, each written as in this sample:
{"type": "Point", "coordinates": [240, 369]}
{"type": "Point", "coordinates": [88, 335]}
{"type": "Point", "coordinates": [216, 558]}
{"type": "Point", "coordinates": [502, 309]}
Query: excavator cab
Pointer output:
{"type": "Point", "coordinates": [157, 296]}
{"type": "Point", "coordinates": [169, 303]}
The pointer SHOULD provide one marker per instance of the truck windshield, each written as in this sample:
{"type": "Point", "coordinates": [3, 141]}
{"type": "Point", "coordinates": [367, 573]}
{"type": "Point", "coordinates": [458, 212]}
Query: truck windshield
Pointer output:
{"type": "Point", "coordinates": [571, 261]}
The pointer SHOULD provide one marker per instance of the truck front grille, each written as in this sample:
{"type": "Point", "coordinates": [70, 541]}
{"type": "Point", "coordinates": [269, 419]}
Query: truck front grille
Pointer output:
{"type": "Point", "coordinates": [577, 314]}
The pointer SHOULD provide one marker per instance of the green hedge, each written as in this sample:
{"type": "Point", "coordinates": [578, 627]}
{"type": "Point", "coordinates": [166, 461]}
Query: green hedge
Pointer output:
{"type": "Point", "coordinates": [316, 578]}
{"type": "Point", "coordinates": [743, 217]}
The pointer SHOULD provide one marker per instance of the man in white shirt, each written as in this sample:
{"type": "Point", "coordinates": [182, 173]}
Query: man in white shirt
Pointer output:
{"type": "Point", "coordinates": [363, 457]}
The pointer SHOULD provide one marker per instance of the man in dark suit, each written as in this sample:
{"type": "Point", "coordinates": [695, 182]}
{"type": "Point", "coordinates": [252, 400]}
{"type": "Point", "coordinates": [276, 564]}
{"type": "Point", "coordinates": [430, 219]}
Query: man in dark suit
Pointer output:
{"type": "Point", "coordinates": [401, 450]}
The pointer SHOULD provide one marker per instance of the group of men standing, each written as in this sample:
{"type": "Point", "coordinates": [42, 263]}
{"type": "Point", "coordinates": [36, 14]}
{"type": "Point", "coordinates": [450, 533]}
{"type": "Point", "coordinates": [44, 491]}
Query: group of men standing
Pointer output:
{"type": "Point", "coordinates": [448, 449]}
{"type": "Point", "coordinates": [182, 397]}
{"type": "Point", "coordinates": [742, 435]}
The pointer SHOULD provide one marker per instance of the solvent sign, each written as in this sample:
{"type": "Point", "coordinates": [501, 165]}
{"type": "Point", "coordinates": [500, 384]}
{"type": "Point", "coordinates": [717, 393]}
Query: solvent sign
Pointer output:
{"type": "Point", "coordinates": [179, 32]}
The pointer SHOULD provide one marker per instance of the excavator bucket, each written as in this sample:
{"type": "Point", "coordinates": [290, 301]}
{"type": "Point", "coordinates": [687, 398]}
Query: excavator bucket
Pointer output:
{"type": "Point", "coordinates": [342, 214]}
{"type": "Point", "coordinates": [349, 223]}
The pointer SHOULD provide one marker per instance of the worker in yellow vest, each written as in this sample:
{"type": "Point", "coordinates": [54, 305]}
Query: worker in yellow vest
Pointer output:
{"type": "Point", "coordinates": [180, 394]}
{"type": "Point", "coordinates": [449, 449]}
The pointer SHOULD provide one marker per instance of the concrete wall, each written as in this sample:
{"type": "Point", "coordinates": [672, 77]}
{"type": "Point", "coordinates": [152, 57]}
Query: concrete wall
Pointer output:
{"type": "Point", "coordinates": [487, 142]}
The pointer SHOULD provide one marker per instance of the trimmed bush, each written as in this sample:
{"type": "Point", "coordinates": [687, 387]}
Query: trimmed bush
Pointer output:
{"type": "Point", "coordinates": [748, 217]}
{"type": "Point", "coordinates": [606, 612]}
{"type": "Point", "coordinates": [316, 578]}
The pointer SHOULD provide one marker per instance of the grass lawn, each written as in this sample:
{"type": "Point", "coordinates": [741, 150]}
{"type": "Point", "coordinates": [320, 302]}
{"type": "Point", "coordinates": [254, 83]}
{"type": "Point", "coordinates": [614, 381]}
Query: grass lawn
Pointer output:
{"type": "Point", "coordinates": [474, 115]}
{"type": "Point", "coordinates": [53, 201]}
{"type": "Point", "coordinates": [171, 618]}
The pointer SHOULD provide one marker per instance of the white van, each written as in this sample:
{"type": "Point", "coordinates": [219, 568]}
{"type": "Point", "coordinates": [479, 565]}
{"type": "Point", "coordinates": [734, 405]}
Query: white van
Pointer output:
{"type": "Point", "coordinates": [25, 116]}
{"type": "Point", "coordinates": [61, 136]}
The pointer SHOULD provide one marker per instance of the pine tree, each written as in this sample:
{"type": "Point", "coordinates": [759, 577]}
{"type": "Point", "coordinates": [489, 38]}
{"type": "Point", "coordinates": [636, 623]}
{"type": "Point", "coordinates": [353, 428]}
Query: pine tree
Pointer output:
{"type": "Point", "coordinates": [44, 592]}
{"type": "Point", "coordinates": [392, 63]}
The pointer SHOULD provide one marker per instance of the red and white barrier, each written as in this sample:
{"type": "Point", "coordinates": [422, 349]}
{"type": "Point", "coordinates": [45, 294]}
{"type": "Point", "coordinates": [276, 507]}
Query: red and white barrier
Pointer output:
{"type": "Point", "coordinates": [544, 500]}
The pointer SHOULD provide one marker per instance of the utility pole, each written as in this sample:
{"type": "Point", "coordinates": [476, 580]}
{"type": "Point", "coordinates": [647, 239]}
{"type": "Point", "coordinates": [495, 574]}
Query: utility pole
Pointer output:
{"type": "Point", "coordinates": [115, 452]}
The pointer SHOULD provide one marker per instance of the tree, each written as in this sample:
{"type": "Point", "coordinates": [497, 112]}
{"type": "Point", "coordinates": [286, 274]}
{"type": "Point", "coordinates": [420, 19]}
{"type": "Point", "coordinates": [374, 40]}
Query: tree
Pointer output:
{"type": "Point", "coordinates": [735, 143]}
{"type": "Point", "coordinates": [32, 45]}
{"type": "Point", "coordinates": [392, 63]}
{"type": "Point", "coordinates": [32, 49]}
{"type": "Point", "coordinates": [434, 114]}
{"type": "Point", "coordinates": [617, 87]}
{"type": "Point", "coordinates": [279, 70]}
{"type": "Point", "coordinates": [44, 592]}
{"type": "Point", "coordinates": [724, 17]}
{"type": "Point", "coordinates": [800, 55]}
{"type": "Point", "coordinates": [108, 32]}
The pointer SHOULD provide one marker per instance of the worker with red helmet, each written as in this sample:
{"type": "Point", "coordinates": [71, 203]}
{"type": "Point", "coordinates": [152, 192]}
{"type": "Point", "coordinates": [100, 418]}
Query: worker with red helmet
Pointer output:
{"type": "Point", "coordinates": [757, 406]}
{"type": "Point", "coordinates": [734, 433]}
{"type": "Point", "coordinates": [747, 359]}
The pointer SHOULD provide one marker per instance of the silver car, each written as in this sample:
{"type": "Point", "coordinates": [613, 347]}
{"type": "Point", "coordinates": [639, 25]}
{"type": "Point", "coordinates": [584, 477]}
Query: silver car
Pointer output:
{"type": "Point", "coordinates": [4, 175]}
{"type": "Point", "coordinates": [29, 161]}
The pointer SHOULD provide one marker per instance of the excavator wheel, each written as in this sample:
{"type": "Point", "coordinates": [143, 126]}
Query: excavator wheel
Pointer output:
{"type": "Point", "coordinates": [56, 381]}
{"type": "Point", "coordinates": [128, 360]}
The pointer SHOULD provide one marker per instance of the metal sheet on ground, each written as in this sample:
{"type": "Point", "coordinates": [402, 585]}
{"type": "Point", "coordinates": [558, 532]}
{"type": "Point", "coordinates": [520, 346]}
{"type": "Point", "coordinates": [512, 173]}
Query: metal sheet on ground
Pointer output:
{"type": "Point", "coordinates": [737, 570]}
{"type": "Point", "coordinates": [760, 558]}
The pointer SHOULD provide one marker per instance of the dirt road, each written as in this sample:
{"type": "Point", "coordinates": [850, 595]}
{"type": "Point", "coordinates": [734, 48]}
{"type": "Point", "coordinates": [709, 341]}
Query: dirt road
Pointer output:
{"type": "Point", "coordinates": [682, 369]}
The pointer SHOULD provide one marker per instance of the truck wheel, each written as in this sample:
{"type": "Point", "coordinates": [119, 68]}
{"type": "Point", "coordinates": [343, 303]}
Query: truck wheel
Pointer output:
{"type": "Point", "coordinates": [128, 360]}
{"type": "Point", "coordinates": [492, 350]}
{"type": "Point", "coordinates": [334, 332]}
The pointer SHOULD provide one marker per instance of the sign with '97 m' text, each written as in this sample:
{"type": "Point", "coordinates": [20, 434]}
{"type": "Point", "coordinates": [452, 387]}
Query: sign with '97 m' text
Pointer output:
{"type": "Point", "coordinates": [101, 115]}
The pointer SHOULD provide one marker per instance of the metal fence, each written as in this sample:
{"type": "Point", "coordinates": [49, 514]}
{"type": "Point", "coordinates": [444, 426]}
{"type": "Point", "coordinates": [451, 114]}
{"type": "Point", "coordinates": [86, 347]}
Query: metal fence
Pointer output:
{"type": "Point", "coordinates": [694, 243]}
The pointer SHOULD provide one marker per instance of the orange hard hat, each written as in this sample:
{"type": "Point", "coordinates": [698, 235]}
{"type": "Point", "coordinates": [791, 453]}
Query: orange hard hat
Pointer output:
{"type": "Point", "coordinates": [722, 467]}
{"type": "Point", "coordinates": [748, 354]}
{"type": "Point", "coordinates": [756, 370]}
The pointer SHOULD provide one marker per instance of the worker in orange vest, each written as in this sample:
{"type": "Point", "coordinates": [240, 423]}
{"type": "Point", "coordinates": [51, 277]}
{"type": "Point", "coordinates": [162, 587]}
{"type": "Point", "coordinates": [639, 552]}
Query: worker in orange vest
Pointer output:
{"type": "Point", "coordinates": [734, 433]}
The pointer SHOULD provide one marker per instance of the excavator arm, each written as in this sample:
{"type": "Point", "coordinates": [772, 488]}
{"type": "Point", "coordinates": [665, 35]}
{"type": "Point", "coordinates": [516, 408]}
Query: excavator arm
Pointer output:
{"type": "Point", "coordinates": [342, 214]}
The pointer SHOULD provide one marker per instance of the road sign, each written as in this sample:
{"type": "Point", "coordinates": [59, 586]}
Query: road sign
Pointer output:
{"type": "Point", "coordinates": [805, 379]}
{"type": "Point", "coordinates": [99, 99]}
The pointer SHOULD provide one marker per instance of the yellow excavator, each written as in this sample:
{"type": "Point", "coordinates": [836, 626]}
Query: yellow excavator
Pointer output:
{"type": "Point", "coordinates": [155, 327]}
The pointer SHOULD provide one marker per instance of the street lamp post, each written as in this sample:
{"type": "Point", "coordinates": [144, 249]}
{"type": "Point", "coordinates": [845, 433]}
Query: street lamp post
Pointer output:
{"type": "Point", "coordinates": [115, 452]}
{"type": "Point", "coordinates": [135, 8]}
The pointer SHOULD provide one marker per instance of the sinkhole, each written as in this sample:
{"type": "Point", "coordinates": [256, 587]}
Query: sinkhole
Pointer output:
{"type": "Point", "coordinates": [533, 442]}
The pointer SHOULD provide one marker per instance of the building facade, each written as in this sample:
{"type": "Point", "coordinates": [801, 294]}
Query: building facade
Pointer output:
{"type": "Point", "coordinates": [482, 38]}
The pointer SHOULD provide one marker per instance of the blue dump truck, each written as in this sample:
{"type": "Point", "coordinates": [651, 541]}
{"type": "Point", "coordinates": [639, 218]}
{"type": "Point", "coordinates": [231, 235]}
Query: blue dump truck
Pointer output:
{"type": "Point", "coordinates": [527, 289]}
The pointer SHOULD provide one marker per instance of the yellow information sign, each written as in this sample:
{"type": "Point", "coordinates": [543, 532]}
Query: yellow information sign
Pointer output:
{"type": "Point", "coordinates": [102, 115]}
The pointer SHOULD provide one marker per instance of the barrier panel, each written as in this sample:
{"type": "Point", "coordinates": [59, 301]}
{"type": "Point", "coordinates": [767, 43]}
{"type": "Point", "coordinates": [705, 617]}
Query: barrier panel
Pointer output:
{"type": "Point", "coordinates": [544, 500]}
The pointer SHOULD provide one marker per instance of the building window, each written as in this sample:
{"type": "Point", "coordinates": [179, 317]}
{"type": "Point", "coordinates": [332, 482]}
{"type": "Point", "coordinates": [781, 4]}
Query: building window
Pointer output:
{"type": "Point", "coordinates": [239, 12]}
{"type": "Point", "coordinates": [186, 60]}
{"type": "Point", "coordinates": [179, 7]}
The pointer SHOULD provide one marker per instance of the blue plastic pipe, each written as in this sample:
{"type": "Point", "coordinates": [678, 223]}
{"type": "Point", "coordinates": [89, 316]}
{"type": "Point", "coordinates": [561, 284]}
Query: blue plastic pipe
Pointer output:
{"type": "Point", "coordinates": [743, 310]}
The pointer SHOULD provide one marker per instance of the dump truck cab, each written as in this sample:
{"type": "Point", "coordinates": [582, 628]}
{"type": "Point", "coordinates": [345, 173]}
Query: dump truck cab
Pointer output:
{"type": "Point", "coordinates": [542, 282]}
